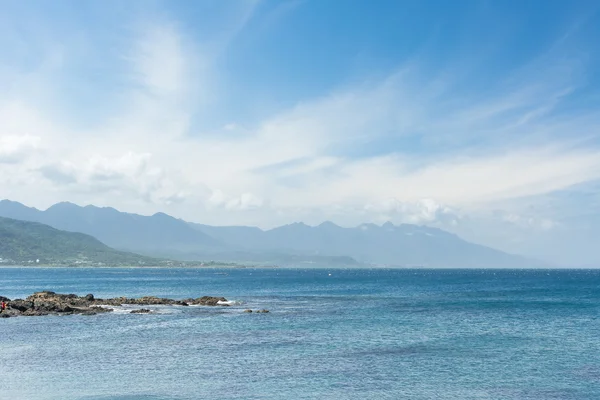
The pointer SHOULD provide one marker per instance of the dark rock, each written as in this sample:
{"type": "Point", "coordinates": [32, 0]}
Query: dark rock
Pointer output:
{"type": "Point", "coordinates": [207, 301]}
{"type": "Point", "coordinates": [20, 305]}
{"type": "Point", "coordinates": [10, 313]}
{"type": "Point", "coordinates": [141, 311]}
{"type": "Point", "coordinates": [97, 309]}
{"type": "Point", "coordinates": [4, 299]}
{"type": "Point", "coordinates": [33, 313]}
{"type": "Point", "coordinates": [262, 311]}
{"type": "Point", "coordinates": [89, 297]}
{"type": "Point", "coordinates": [63, 308]}
{"type": "Point", "coordinates": [248, 311]}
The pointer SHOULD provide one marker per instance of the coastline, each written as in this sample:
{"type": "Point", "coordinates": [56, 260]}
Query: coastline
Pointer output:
{"type": "Point", "coordinates": [47, 266]}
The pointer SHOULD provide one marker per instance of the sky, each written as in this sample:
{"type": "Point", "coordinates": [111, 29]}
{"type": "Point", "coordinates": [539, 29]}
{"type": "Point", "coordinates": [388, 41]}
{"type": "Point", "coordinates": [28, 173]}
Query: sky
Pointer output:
{"type": "Point", "coordinates": [478, 117]}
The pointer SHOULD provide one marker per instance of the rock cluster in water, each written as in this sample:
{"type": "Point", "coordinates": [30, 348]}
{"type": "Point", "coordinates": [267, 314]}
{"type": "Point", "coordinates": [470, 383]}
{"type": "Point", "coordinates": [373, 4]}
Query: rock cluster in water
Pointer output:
{"type": "Point", "coordinates": [50, 303]}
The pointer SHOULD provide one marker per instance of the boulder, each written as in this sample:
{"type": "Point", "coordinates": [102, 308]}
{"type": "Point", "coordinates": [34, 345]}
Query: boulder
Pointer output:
{"type": "Point", "coordinates": [20, 305]}
{"type": "Point", "coordinates": [34, 313]}
{"type": "Point", "coordinates": [208, 301]}
{"type": "Point", "coordinates": [10, 313]}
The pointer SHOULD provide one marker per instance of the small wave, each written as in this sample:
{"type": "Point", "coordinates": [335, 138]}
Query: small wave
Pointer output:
{"type": "Point", "coordinates": [231, 303]}
{"type": "Point", "coordinates": [117, 309]}
{"type": "Point", "coordinates": [127, 309]}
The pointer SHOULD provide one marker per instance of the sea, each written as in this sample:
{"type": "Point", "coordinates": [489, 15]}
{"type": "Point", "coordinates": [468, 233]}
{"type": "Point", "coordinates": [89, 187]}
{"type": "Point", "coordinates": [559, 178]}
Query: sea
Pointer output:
{"type": "Point", "coordinates": [330, 334]}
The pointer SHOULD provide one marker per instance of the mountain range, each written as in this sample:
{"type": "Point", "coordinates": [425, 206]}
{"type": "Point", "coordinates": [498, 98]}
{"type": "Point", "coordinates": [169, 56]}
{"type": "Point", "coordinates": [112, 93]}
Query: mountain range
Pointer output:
{"type": "Point", "coordinates": [294, 244]}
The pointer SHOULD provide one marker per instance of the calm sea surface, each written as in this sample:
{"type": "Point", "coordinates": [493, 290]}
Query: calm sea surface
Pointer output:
{"type": "Point", "coordinates": [331, 334]}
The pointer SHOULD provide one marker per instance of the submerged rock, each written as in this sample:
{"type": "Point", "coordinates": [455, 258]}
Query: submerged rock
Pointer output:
{"type": "Point", "coordinates": [141, 311]}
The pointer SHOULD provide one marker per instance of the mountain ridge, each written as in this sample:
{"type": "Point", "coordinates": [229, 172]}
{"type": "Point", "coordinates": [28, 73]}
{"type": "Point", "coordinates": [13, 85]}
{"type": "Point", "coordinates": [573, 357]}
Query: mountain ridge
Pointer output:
{"type": "Point", "coordinates": [366, 244]}
{"type": "Point", "coordinates": [123, 231]}
{"type": "Point", "coordinates": [388, 244]}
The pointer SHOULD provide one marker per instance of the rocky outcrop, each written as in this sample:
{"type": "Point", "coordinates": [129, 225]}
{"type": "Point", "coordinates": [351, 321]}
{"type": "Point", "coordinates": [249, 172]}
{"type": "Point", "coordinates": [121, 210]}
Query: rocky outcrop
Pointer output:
{"type": "Point", "coordinates": [51, 303]}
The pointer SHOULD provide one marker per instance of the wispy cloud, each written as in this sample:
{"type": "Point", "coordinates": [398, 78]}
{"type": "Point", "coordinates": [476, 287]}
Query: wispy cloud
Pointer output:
{"type": "Point", "coordinates": [159, 60]}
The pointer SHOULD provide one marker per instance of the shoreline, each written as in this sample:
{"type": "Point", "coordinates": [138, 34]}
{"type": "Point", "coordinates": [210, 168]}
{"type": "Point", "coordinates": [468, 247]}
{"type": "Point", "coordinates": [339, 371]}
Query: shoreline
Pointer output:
{"type": "Point", "coordinates": [138, 266]}
{"type": "Point", "coordinates": [296, 267]}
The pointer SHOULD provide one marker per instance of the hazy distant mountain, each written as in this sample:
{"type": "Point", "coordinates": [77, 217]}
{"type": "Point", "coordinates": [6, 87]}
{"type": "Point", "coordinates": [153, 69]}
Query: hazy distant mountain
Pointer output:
{"type": "Point", "coordinates": [24, 242]}
{"type": "Point", "coordinates": [156, 234]}
{"type": "Point", "coordinates": [403, 245]}
{"type": "Point", "coordinates": [294, 244]}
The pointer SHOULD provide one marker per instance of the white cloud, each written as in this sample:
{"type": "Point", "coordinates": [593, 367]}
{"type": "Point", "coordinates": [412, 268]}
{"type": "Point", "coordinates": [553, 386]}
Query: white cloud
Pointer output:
{"type": "Point", "coordinates": [62, 173]}
{"type": "Point", "coordinates": [14, 148]}
{"type": "Point", "coordinates": [529, 222]}
{"type": "Point", "coordinates": [129, 164]}
{"type": "Point", "coordinates": [245, 201]}
{"type": "Point", "coordinates": [159, 60]}
{"type": "Point", "coordinates": [424, 211]}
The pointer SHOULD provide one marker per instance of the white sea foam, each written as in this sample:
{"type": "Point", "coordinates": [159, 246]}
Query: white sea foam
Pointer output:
{"type": "Point", "coordinates": [230, 302]}
{"type": "Point", "coordinates": [124, 309]}
{"type": "Point", "coordinates": [128, 308]}
{"type": "Point", "coordinates": [117, 309]}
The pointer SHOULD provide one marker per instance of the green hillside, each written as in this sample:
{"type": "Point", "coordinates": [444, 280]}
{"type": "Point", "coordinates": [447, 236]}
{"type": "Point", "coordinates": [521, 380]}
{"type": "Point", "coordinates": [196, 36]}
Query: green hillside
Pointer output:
{"type": "Point", "coordinates": [23, 242]}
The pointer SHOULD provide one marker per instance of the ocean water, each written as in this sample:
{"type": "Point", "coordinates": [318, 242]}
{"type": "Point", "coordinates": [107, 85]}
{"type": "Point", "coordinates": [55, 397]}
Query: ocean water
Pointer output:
{"type": "Point", "coordinates": [331, 334]}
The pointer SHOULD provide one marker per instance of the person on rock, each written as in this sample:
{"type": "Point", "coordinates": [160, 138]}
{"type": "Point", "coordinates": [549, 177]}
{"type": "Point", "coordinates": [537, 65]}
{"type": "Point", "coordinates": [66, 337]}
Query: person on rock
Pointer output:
{"type": "Point", "coordinates": [2, 306]}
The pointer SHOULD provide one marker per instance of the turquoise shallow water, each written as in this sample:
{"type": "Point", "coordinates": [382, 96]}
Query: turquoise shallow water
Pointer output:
{"type": "Point", "coordinates": [354, 334]}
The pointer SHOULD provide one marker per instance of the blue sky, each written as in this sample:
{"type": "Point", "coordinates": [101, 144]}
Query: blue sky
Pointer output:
{"type": "Point", "coordinates": [480, 117]}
